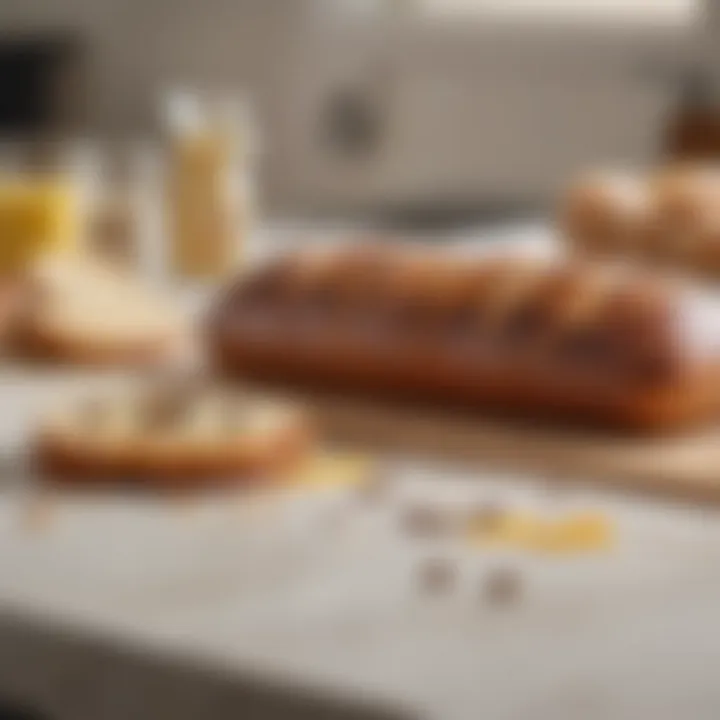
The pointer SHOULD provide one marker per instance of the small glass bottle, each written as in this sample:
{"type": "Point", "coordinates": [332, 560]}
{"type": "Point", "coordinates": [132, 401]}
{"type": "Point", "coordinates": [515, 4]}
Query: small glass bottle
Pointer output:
{"type": "Point", "coordinates": [209, 186]}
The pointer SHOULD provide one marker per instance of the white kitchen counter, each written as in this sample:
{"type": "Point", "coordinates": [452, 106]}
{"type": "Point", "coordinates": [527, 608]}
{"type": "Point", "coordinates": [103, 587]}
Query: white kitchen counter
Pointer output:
{"type": "Point", "coordinates": [126, 608]}
{"type": "Point", "coordinates": [110, 603]}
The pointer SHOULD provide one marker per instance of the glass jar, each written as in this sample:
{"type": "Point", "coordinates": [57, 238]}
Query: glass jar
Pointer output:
{"type": "Point", "coordinates": [209, 188]}
{"type": "Point", "coordinates": [125, 226]}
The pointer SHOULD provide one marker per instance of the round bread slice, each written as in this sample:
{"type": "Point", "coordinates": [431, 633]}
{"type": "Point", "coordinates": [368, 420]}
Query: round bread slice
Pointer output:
{"type": "Point", "coordinates": [172, 437]}
{"type": "Point", "coordinates": [84, 312]}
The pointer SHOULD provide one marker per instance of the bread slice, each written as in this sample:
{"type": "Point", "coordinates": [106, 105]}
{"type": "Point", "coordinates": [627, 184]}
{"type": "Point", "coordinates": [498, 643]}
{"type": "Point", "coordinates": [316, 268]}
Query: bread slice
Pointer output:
{"type": "Point", "coordinates": [84, 312]}
{"type": "Point", "coordinates": [172, 436]}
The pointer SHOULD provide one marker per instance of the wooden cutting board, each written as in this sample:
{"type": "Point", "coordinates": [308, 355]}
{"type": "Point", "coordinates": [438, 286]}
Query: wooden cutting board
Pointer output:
{"type": "Point", "coordinates": [685, 467]}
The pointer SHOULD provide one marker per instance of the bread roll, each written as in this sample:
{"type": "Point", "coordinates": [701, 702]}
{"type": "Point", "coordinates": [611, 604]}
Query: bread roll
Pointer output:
{"type": "Point", "coordinates": [606, 213]}
{"type": "Point", "coordinates": [670, 219]}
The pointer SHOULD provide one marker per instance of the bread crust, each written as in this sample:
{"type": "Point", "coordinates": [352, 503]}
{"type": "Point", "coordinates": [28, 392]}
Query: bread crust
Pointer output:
{"type": "Point", "coordinates": [46, 345]}
{"type": "Point", "coordinates": [249, 339]}
{"type": "Point", "coordinates": [687, 403]}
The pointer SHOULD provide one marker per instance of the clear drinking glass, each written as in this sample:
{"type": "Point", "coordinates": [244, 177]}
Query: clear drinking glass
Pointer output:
{"type": "Point", "coordinates": [53, 182]}
{"type": "Point", "coordinates": [125, 214]}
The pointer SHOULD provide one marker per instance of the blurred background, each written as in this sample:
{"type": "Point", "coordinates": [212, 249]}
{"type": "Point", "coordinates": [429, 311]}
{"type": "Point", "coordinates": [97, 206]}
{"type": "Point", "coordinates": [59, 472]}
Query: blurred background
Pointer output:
{"type": "Point", "coordinates": [423, 110]}
{"type": "Point", "coordinates": [417, 114]}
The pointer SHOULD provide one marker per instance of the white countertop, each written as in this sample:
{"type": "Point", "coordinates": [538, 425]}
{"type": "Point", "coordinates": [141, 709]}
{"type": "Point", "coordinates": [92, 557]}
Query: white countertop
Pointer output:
{"type": "Point", "coordinates": [117, 607]}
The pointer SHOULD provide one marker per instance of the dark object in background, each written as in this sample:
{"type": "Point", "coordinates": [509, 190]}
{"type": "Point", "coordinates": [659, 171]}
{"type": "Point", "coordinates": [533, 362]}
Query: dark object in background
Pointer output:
{"type": "Point", "coordinates": [8, 712]}
{"type": "Point", "coordinates": [40, 85]}
{"type": "Point", "coordinates": [694, 131]}
{"type": "Point", "coordinates": [353, 125]}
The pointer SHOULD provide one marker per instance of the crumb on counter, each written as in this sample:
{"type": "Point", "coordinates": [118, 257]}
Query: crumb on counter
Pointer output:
{"type": "Point", "coordinates": [437, 575]}
{"type": "Point", "coordinates": [502, 586]}
{"type": "Point", "coordinates": [427, 521]}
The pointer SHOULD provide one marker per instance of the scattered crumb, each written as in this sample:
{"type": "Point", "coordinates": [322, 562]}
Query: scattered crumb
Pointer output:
{"type": "Point", "coordinates": [502, 586]}
{"type": "Point", "coordinates": [427, 521]}
{"type": "Point", "coordinates": [437, 575]}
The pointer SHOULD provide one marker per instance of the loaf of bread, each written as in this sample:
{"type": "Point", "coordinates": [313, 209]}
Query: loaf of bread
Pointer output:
{"type": "Point", "coordinates": [671, 218]}
{"type": "Point", "coordinates": [600, 343]}
{"type": "Point", "coordinates": [172, 436]}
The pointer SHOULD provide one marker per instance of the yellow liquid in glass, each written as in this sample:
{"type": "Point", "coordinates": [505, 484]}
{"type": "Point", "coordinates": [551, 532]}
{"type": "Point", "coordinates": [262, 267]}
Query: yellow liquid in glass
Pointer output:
{"type": "Point", "coordinates": [202, 200]}
{"type": "Point", "coordinates": [36, 217]}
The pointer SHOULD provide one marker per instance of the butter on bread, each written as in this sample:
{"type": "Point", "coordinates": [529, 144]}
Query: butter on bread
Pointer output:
{"type": "Point", "coordinates": [172, 436]}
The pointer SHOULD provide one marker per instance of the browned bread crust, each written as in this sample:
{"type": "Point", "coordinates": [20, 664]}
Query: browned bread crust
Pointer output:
{"type": "Point", "coordinates": [45, 346]}
{"type": "Point", "coordinates": [587, 342]}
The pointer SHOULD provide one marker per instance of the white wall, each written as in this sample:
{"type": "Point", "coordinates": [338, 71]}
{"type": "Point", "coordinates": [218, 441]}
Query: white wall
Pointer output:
{"type": "Point", "coordinates": [468, 113]}
{"type": "Point", "coordinates": [481, 112]}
